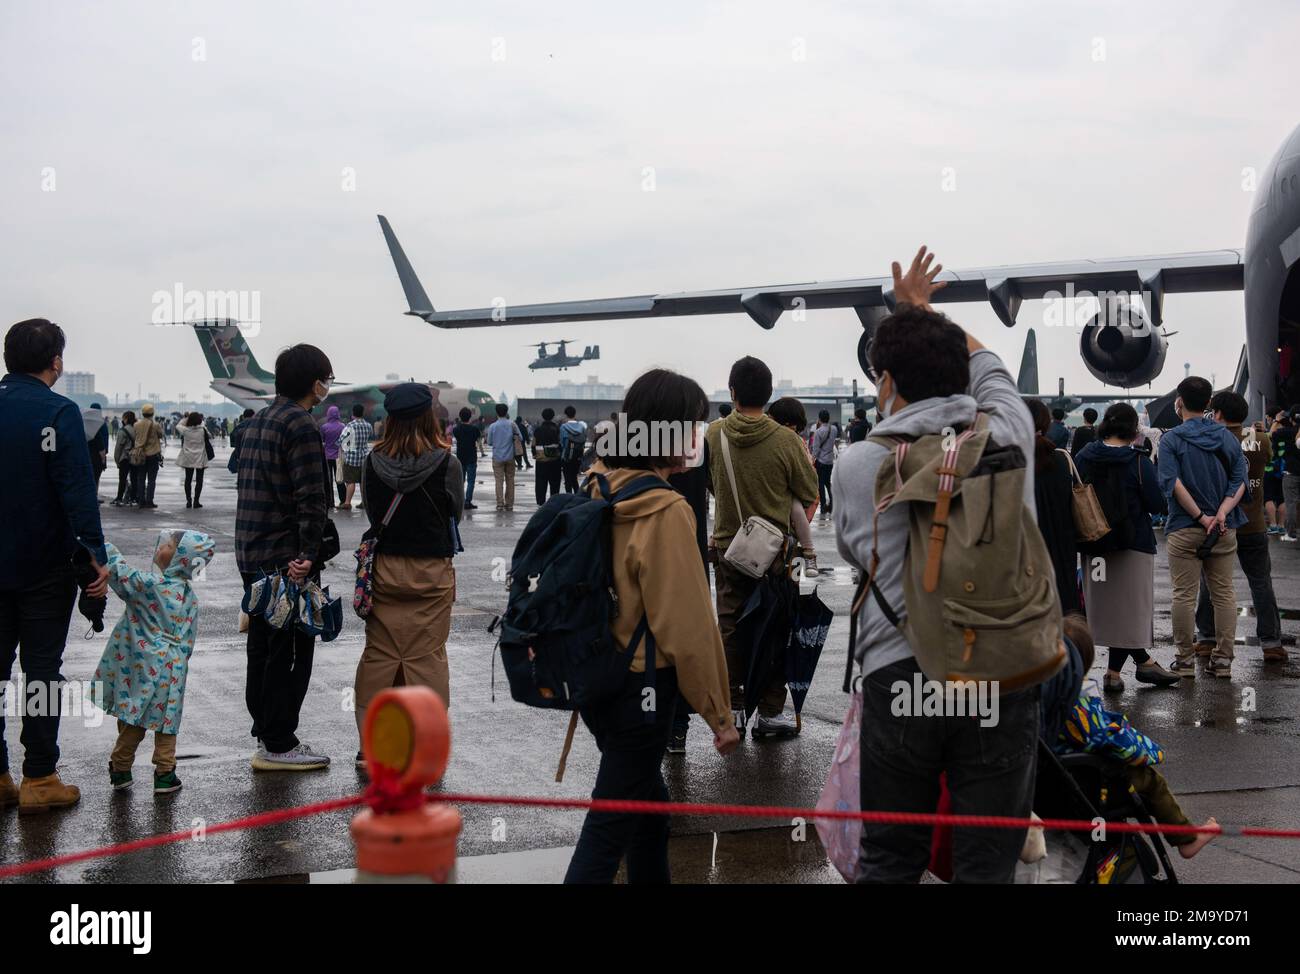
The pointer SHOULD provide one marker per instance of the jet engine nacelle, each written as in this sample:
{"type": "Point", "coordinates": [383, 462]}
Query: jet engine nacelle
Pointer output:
{"type": "Point", "coordinates": [1120, 346]}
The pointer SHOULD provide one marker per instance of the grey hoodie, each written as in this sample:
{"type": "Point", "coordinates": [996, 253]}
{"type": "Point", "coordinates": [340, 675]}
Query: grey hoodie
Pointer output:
{"type": "Point", "coordinates": [853, 482]}
{"type": "Point", "coordinates": [405, 474]}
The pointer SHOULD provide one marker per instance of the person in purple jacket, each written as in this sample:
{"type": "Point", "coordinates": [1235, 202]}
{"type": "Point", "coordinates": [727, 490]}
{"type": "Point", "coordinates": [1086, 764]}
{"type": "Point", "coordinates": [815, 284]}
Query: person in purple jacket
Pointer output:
{"type": "Point", "coordinates": [330, 431]}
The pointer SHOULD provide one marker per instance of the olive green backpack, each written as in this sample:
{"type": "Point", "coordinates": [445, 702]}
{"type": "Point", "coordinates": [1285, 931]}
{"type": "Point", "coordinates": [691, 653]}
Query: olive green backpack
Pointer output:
{"type": "Point", "coordinates": [978, 581]}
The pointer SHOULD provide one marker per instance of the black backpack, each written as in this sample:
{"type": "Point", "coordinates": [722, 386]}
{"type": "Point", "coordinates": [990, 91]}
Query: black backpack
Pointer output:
{"type": "Point", "coordinates": [556, 644]}
{"type": "Point", "coordinates": [1108, 482]}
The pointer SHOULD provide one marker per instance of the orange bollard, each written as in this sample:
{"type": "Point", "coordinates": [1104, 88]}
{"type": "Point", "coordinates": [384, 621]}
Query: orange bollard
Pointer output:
{"type": "Point", "coordinates": [407, 742]}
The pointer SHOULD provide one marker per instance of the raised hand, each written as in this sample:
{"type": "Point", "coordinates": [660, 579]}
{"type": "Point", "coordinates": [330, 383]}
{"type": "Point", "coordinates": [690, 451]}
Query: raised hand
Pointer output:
{"type": "Point", "coordinates": [916, 286]}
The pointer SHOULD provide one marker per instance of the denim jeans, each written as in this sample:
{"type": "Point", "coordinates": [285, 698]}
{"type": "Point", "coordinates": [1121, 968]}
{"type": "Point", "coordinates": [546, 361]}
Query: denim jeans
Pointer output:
{"type": "Point", "coordinates": [990, 772]}
{"type": "Point", "coordinates": [1257, 565]}
{"type": "Point", "coordinates": [471, 471]}
{"type": "Point", "coordinates": [631, 752]}
{"type": "Point", "coordinates": [34, 628]}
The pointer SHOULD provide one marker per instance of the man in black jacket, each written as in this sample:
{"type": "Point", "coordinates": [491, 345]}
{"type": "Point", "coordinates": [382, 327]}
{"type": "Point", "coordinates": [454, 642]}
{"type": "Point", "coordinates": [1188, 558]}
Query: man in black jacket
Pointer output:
{"type": "Point", "coordinates": [546, 451]}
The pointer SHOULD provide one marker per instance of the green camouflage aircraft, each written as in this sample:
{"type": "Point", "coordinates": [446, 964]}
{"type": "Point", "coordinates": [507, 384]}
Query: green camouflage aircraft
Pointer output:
{"type": "Point", "coordinates": [238, 377]}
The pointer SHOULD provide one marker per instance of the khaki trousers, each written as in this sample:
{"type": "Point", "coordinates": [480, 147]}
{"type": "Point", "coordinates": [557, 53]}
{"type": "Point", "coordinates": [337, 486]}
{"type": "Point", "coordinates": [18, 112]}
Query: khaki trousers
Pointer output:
{"type": "Point", "coordinates": [128, 740]}
{"type": "Point", "coordinates": [1185, 572]}
{"type": "Point", "coordinates": [407, 630]}
{"type": "Point", "coordinates": [504, 470]}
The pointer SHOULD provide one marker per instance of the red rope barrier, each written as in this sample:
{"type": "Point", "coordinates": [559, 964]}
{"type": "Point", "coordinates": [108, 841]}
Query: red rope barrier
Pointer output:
{"type": "Point", "coordinates": [380, 798]}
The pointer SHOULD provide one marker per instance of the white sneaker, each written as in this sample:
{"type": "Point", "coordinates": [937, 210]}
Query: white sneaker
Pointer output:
{"type": "Point", "coordinates": [1288, 537]}
{"type": "Point", "coordinates": [738, 718]}
{"type": "Point", "coordinates": [782, 725]}
{"type": "Point", "coordinates": [300, 758]}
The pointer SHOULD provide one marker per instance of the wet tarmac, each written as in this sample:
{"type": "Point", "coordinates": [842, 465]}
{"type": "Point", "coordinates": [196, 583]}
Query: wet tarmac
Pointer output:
{"type": "Point", "coordinates": [1233, 746]}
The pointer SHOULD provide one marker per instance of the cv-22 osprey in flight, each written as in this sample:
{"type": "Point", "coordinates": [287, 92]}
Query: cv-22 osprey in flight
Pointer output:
{"type": "Point", "coordinates": [1123, 344]}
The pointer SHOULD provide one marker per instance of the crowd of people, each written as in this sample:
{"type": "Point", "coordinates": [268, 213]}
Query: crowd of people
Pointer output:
{"type": "Point", "coordinates": [761, 461]}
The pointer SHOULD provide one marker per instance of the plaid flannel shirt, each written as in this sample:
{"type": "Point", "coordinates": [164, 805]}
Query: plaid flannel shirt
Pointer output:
{"type": "Point", "coordinates": [362, 433]}
{"type": "Point", "coordinates": [280, 512]}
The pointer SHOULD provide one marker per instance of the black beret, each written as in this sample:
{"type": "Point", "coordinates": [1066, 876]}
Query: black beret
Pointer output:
{"type": "Point", "coordinates": [408, 400]}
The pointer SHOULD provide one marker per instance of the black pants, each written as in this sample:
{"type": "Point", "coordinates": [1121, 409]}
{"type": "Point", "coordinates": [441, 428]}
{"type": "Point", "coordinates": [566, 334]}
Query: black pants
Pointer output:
{"type": "Point", "coordinates": [571, 468]}
{"type": "Point", "coordinates": [125, 491]}
{"type": "Point", "coordinates": [34, 628]}
{"type": "Point", "coordinates": [990, 772]}
{"type": "Point", "coordinates": [279, 669]}
{"type": "Point", "coordinates": [146, 477]}
{"type": "Point", "coordinates": [631, 751]}
{"type": "Point", "coordinates": [548, 479]}
{"type": "Point", "coordinates": [824, 485]}
{"type": "Point", "coordinates": [193, 475]}
{"type": "Point", "coordinates": [1118, 656]}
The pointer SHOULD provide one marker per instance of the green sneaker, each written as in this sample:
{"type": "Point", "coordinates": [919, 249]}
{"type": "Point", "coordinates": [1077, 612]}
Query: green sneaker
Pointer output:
{"type": "Point", "coordinates": [119, 779]}
{"type": "Point", "coordinates": [165, 784]}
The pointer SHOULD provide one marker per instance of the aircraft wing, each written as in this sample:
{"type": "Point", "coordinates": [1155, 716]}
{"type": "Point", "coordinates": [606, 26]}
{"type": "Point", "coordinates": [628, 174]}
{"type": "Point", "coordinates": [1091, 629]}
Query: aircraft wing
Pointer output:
{"type": "Point", "coordinates": [1004, 287]}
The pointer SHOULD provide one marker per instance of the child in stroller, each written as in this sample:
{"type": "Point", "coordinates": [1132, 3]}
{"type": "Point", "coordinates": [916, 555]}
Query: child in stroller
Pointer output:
{"type": "Point", "coordinates": [1095, 763]}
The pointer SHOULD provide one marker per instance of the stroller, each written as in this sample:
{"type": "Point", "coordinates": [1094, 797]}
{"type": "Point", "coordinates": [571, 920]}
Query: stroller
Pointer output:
{"type": "Point", "coordinates": [1089, 786]}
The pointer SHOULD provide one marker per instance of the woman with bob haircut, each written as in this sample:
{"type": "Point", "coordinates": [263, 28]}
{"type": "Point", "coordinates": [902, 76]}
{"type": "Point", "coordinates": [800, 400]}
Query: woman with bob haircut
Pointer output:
{"type": "Point", "coordinates": [658, 574]}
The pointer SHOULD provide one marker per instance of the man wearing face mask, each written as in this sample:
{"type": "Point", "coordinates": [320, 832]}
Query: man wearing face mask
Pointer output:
{"type": "Point", "coordinates": [279, 521]}
{"type": "Point", "coordinates": [930, 376]}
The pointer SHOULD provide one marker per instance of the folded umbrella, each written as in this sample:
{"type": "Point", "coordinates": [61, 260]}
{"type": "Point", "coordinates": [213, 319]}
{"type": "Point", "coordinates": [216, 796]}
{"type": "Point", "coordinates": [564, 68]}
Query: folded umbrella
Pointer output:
{"type": "Point", "coordinates": [763, 630]}
{"type": "Point", "coordinates": [809, 625]}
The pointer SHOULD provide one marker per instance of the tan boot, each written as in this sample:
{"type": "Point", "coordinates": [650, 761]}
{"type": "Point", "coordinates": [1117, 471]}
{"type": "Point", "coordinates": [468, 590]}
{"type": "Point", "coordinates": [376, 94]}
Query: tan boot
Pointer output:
{"type": "Point", "coordinates": [8, 791]}
{"type": "Point", "coordinates": [43, 794]}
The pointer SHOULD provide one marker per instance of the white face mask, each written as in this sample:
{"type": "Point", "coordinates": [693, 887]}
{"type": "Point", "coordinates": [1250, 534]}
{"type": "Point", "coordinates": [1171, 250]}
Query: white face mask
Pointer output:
{"type": "Point", "coordinates": [886, 407]}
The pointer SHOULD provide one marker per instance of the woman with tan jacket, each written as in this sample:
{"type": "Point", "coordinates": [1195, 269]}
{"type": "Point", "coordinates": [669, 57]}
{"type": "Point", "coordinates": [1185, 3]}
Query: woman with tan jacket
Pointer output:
{"type": "Point", "coordinates": [657, 573]}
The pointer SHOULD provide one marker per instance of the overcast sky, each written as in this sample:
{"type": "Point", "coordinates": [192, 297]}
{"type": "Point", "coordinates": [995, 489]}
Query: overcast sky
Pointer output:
{"type": "Point", "coordinates": [205, 145]}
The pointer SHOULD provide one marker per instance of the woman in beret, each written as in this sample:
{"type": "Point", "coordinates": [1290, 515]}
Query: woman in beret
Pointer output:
{"type": "Point", "coordinates": [412, 476]}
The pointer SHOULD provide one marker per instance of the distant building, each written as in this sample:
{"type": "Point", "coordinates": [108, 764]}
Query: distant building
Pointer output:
{"type": "Point", "coordinates": [593, 388]}
{"type": "Point", "coordinates": [833, 388]}
{"type": "Point", "coordinates": [73, 384]}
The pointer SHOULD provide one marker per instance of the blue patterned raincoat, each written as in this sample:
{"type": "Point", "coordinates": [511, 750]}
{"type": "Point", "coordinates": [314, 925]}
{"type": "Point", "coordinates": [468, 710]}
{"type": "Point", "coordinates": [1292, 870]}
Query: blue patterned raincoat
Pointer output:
{"type": "Point", "coordinates": [141, 676]}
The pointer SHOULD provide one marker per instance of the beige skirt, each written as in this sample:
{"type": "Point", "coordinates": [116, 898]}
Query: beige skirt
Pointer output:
{"type": "Point", "coordinates": [407, 630]}
{"type": "Point", "coordinates": [1120, 603]}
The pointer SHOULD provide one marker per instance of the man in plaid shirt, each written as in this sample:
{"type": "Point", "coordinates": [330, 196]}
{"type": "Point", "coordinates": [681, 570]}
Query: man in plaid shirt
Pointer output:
{"type": "Point", "coordinates": [354, 443]}
{"type": "Point", "coordinates": [279, 522]}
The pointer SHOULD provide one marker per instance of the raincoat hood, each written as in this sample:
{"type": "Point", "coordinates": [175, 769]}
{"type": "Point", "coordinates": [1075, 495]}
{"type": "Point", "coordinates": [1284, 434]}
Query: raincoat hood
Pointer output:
{"type": "Point", "coordinates": [643, 505]}
{"type": "Point", "coordinates": [746, 431]}
{"type": "Point", "coordinates": [403, 474]}
{"type": "Point", "coordinates": [194, 550]}
{"type": "Point", "coordinates": [1099, 452]}
{"type": "Point", "coordinates": [332, 414]}
{"type": "Point", "coordinates": [928, 416]}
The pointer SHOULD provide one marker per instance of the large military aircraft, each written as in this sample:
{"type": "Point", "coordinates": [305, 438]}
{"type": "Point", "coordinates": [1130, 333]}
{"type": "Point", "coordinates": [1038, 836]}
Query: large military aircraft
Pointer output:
{"type": "Point", "coordinates": [1027, 383]}
{"type": "Point", "coordinates": [560, 359]}
{"type": "Point", "coordinates": [1123, 344]}
{"type": "Point", "coordinates": [238, 377]}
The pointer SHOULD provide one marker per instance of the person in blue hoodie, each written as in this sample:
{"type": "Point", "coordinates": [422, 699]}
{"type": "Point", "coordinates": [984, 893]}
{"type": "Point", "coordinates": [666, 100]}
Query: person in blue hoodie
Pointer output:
{"type": "Point", "coordinates": [1203, 478]}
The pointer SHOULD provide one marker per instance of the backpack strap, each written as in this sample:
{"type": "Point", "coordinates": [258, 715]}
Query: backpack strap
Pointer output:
{"type": "Point", "coordinates": [947, 485]}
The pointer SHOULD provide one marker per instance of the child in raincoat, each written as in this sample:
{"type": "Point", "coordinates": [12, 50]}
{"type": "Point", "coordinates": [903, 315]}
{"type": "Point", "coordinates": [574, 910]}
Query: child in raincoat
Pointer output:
{"type": "Point", "coordinates": [140, 679]}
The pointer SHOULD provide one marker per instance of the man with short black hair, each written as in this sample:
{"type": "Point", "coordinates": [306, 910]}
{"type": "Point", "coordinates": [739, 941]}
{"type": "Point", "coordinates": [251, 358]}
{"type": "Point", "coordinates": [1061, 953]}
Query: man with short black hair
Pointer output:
{"type": "Point", "coordinates": [546, 451]}
{"type": "Point", "coordinates": [1203, 477]}
{"type": "Point", "coordinates": [822, 447]}
{"type": "Point", "coordinates": [771, 471]}
{"type": "Point", "coordinates": [279, 525]}
{"type": "Point", "coordinates": [930, 376]}
{"type": "Point", "coordinates": [859, 428]}
{"type": "Point", "coordinates": [51, 518]}
{"type": "Point", "coordinates": [1086, 433]}
{"type": "Point", "coordinates": [573, 443]}
{"type": "Point", "coordinates": [1058, 433]}
{"type": "Point", "coordinates": [467, 437]}
{"type": "Point", "coordinates": [501, 438]}
{"type": "Point", "coordinates": [1230, 409]}
{"type": "Point", "coordinates": [354, 446]}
